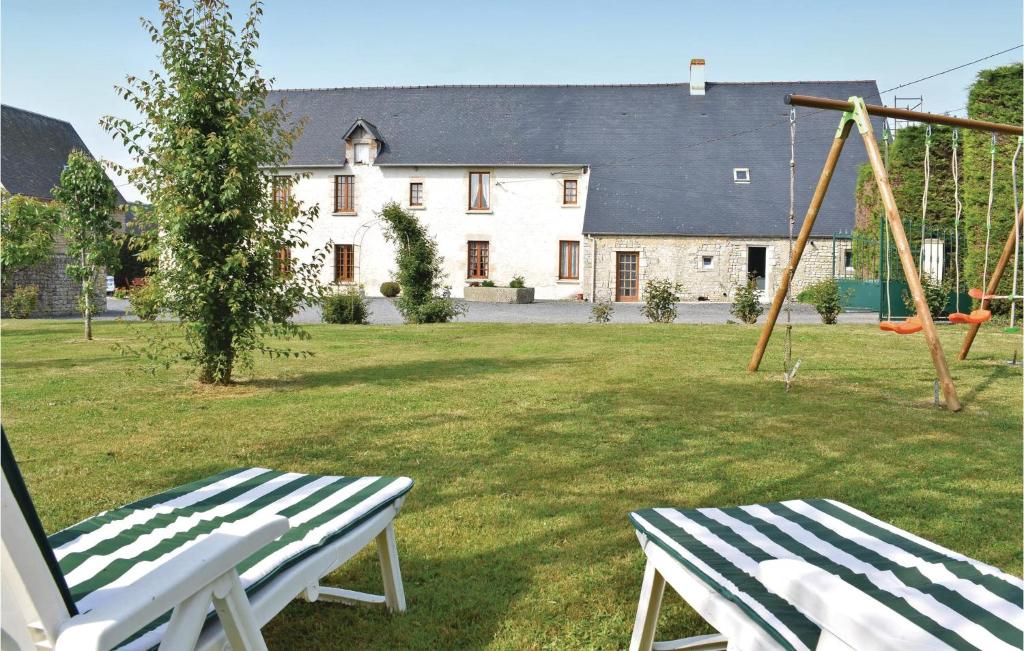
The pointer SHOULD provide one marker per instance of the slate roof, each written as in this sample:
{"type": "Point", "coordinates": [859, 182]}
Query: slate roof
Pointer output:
{"type": "Point", "coordinates": [661, 159]}
{"type": "Point", "coordinates": [33, 151]}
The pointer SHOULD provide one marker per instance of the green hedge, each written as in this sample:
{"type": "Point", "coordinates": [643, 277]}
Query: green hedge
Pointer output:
{"type": "Point", "coordinates": [997, 96]}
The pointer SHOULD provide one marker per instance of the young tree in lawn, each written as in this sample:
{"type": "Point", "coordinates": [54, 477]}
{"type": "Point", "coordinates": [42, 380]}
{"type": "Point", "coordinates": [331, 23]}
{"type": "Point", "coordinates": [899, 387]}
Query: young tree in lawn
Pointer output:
{"type": "Point", "coordinates": [27, 227]}
{"type": "Point", "coordinates": [87, 201]}
{"type": "Point", "coordinates": [207, 146]}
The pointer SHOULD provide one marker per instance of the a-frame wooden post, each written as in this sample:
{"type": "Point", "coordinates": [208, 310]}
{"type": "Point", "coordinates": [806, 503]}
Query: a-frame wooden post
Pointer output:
{"type": "Point", "coordinates": [801, 241]}
{"type": "Point", "coordinates": [993, 281]}
{"type": "Point", "coordinates": [899, 236]}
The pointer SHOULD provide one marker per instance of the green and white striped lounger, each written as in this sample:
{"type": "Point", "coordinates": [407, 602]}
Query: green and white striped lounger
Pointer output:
{"type": "Point", "coordinates": [287, 531]}
{"type": "Point", "coordinates": [850, 581]}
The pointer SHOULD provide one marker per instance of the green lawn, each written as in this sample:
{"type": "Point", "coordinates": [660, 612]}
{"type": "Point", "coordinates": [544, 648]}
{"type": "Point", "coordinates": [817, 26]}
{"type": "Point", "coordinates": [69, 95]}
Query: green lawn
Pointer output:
{"type": "Point", "coordinates": [529, 444]}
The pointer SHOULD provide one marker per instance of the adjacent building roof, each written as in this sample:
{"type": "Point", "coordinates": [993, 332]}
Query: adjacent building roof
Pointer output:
{"type": "Point", "coordinates": [661, 160]}
{"type": "Point", "coordinates": [33, 151]}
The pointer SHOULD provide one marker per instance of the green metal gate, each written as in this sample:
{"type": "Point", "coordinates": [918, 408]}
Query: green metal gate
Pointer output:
{"type": "Point", "coordinates": [870, 275]}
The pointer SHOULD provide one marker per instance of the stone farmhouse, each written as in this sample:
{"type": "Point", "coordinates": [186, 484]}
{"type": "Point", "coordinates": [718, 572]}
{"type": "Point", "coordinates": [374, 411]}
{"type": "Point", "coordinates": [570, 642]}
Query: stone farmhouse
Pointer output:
{"type": "Point", "coordinates": [585, 191]}
{"type": "Point", "coordinates": [33, 151]}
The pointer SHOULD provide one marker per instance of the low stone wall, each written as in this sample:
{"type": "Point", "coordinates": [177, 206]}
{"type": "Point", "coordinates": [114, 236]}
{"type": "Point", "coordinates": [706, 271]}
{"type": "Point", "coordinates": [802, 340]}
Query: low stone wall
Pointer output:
{"type": "Point", "coordinates": [499, 294]}
{"type": "Point", "coordinates": [680, 259]}
{"type": "Point", "coordinates": [58, 294]}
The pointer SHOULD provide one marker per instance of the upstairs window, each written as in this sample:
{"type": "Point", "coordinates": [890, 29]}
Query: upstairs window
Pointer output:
{"type": "Point", "coordinates": [343, 187]}
{"type": "Point", "coordinates": [344, 263]}
{"type": "Point", "coordinates": [282, 186]}
{"type": "Point", "coordinates": [478, 254]}
{"type": "Point", "coordinates": [568, 260]}
{"type": "Point", "coordinates": [479, 191]}
{"type": "Point", "coordinates": [361, 153]}
{"type": "Point", "coordinates": [569, 190]}
{"type": "Point", "coordinates": [741, 175]}
{"type": "Point", "coordinates": [707, 262]}
{"type": "Point", "coordinates": [415, 194]}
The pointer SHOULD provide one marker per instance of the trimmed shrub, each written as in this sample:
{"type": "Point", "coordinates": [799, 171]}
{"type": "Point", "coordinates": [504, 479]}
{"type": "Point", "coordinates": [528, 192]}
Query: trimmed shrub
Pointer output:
{"type": "Point", "coordinates": [660, 298]}
{"type": "Point", "coordinates": [488, 283]}
{"type": "Point", "coordinates": [23, 302]}
{"type": "Point", "coordinates": [440, 309]}
{"type": "Point", "coordinates": [936, 294]}
{"type": "Point", "coordinates": [601, 312]}
{"type": "Point", "coordinates": [517, 282]}
{"type": "Point", "coordinates": [145, 299]}
{"type": "Point", "coordinates": [348, 307]}
{"type": "Point", "coordinates": [390, 289]}
{"type": "Point", "coordinates": [824, 295]}
{"type": "Point", "coordinates": [745, 305]}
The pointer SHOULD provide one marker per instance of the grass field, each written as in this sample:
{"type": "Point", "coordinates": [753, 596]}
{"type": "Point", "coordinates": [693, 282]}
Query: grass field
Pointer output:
{"type": "Point", "coordinates": [529, 444]}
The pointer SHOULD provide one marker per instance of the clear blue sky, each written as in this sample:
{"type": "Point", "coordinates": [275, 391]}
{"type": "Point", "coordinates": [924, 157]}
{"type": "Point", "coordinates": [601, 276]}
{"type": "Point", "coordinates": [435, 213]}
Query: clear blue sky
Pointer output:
{"type": "Point", "coordinates": [62, 57]}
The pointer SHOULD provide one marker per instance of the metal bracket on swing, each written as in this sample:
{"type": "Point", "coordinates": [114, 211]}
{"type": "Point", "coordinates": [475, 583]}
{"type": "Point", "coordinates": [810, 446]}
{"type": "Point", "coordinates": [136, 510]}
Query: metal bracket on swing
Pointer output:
{"type": "Point", "coordinates": [859, 116]}
{"type": "Point", "coordinates": [791, 373]}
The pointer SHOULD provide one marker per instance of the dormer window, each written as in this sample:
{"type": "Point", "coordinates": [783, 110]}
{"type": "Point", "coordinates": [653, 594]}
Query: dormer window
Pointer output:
{"type": "Point", "coordinates": [363, 141]}
{"type": "Point", "coordinates": [361, 153]}
{"type": "Point", "coordinates": [741, 175]}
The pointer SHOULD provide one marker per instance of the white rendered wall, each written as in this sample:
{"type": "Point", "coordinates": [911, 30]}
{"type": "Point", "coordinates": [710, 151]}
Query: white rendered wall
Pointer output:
{"type": "Point", "coordinates": [524, 226]}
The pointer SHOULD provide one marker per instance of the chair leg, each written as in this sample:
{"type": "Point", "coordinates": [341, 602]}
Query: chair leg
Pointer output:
{"type": "Point", "coordinates": [236, 616]}
{"type": "Point", "coordinates": [387, 551]}
{"type": "Point", "coordinates": [651, 592]}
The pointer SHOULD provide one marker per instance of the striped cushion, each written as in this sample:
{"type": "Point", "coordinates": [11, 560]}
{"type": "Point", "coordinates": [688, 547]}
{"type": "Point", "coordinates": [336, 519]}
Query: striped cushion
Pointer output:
{"type": "Point", "coordinates": [960, 601]}
{"type": "Point", "coordinates": [101, 555]}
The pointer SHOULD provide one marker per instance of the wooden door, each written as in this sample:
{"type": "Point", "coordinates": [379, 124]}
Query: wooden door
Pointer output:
{"type": "Point", "coordinates": [627, 276]}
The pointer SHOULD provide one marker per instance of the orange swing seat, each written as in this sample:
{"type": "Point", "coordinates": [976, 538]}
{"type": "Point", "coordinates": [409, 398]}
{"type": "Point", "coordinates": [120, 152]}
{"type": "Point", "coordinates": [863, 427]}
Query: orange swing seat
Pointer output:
{"type": "Point", "coordinates": [975, 317]}
{"type": "Point", "coordinates": [908, 327]}
{"type": "Point", "coordinates": [975, 292]}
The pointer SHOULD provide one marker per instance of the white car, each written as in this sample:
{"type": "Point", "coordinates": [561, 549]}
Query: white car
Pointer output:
{"type": "Point", "coordinates": [110, 284]}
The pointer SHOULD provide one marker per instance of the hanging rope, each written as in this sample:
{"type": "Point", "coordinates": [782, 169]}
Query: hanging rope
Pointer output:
{"type": "Point", "coordinates": [788, 363]}
{"type": "Point", "coordinates": [924, 197]}
{"type": "Point", "coordinates": [988, 215]}
{"type": "Point", "coordinates": [1016, 234]}
{"type": "Point", "coordinates": [956, 219]}
{"type": "Point", "coordinates": [888, 272]}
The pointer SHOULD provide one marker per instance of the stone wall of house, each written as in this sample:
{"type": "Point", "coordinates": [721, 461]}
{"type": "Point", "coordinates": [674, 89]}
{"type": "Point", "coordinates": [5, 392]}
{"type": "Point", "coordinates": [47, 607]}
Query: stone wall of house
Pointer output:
{"type": "Point", "coordinates": [683, 260]}
{"type": "Point", "coordinates": [58, 294]}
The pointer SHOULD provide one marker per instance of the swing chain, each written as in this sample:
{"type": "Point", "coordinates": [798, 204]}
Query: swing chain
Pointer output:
{"type": "Point", "coordinates": [959, 211]}
{"type": "Point", "coordinates": [924, 197]}
{"type": "Point", "coordinates": [790, 370]}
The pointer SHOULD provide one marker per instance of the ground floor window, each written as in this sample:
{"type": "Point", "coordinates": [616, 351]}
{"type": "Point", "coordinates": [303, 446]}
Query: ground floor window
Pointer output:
{"type": "Point", "coordinates": [344, 263]}
{"type": "Point", "coordinates": [568, 260]}
{"type": "Point", "coordinates": [478, 254]}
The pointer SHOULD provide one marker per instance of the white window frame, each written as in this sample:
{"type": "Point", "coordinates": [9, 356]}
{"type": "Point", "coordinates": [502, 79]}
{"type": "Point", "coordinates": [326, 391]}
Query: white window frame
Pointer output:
{"type": "Point", "coordinates": [355, 153]}
{"type": "Point", "coordinates": [711, 262]}
{"type": "Point", "coordinates": [745, 171]}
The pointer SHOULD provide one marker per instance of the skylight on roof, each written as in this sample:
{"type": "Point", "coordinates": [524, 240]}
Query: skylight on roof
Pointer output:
{"type": "Point", "coordinates": [741, 175]}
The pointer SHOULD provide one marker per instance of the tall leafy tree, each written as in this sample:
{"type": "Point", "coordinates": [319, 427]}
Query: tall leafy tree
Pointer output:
{"type": "Point", "coordinates": [87, 200]}
{"type": "Point", "coordinates": [27, 228]}
{"type": "Point", "coordinates": [208, 145]}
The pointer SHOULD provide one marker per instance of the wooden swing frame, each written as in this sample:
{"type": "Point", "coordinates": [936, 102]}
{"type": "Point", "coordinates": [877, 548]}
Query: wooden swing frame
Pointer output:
{"type": "Point", "coordinates": [856, 112]}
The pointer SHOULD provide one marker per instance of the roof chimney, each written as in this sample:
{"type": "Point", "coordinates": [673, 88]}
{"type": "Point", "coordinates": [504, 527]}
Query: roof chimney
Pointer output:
{"type": "Point", "coordinates": [696, 76]}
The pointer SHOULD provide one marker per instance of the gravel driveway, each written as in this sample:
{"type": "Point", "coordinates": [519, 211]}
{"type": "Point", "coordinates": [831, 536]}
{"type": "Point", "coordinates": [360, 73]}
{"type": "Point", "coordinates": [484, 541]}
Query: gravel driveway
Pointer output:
{"type": "Point", "coordinates": [382, 311]}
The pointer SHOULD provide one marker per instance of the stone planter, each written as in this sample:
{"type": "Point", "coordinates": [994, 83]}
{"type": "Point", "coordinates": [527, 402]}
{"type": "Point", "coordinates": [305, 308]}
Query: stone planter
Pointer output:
{"type": "Point", "coordinates": [499, 294]}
